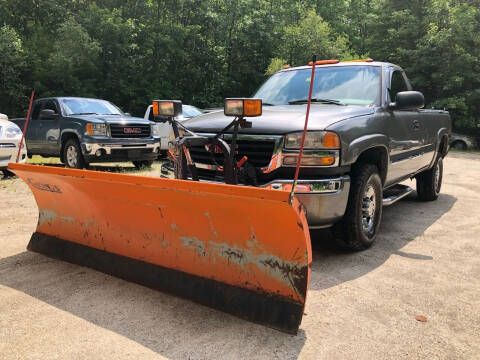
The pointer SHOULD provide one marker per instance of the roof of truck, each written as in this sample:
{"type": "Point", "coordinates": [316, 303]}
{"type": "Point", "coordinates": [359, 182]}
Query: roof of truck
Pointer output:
{"type": "Point", "coordinates": [345, 63]}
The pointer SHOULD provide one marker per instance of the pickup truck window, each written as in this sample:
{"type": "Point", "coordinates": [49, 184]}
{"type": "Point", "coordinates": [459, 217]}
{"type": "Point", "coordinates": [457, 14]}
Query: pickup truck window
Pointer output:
{"type": "Point", "coordinates": [397, 84]}
{"type": "Point", "coordinates": [354, 84]}
{"type": "Point", "coordinates": [89, 107]}
{"type": "Point", "coordinates": [51, 105]}
{"type": "Point", "coordinates": [36, 111]}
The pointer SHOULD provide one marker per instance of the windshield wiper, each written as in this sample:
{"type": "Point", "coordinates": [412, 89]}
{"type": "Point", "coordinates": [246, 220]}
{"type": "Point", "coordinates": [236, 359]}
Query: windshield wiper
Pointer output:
{"type": "Point", "coordinates": [322, 101]}
{"type": "Point", "coordinates": [91, 113]}
{"type": "Point", "coordinates": [267, 104]}
{"type": "Point", "coordinates": [113, 114]}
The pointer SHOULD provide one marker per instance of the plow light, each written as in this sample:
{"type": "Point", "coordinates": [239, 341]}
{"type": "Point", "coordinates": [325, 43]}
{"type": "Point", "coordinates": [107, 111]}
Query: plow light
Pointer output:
{"type": "Point", "coordinates": [167, 108]}
{"type": "Point", "coordinates": [243, 107]}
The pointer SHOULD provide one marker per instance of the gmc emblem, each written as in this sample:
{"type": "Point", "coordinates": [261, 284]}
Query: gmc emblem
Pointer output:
{"type": "Point", "coordinates": [128, 130]}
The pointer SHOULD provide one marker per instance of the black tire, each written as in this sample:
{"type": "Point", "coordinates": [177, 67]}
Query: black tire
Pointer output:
{"type": "Point", "coordinates": [72, 155]}
{"type": "Point", "coordinates": [429, 182]}
{"type": "Point", "coordinates": [143, 164]}
{"type": "Point", "coordinates": [459, 145]}
{"type": "Point", "coordinates": [7, 173]}
{"type": "Point", "coordinates": [360, 225]}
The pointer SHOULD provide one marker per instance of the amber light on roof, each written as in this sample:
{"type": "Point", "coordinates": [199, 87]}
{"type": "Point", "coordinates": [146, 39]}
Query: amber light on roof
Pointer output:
{"type": "Point", "coordinates": [359, 60]}
{"type": "Point", "coordinates": [286, 67]}
{"type": "Point", "coordinates": [324, 62]}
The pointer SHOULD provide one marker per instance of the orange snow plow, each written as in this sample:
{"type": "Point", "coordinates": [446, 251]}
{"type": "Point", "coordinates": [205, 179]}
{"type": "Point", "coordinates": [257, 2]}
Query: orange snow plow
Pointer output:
{"type": "Point", "coordinates": [242, 250]}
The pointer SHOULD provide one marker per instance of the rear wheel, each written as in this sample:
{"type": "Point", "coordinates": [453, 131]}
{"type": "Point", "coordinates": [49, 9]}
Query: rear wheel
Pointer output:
{"type": "Point", "coordinates": [72, 155]}
{"type": "Point", "coordinates": [459, 145]}
{"type": "Point", "coordinates": [429, 182]}
{"type": "Point", "coordinates": [7, 173]}
{"type": "Point", "coordinates": [143, 164]}
{"type": "Point", "coordinates": [359, 227]}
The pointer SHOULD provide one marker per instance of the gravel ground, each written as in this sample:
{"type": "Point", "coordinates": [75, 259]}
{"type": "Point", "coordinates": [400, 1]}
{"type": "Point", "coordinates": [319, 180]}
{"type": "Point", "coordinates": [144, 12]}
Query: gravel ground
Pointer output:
{"type": "Point", "coordinates": [361, 305]}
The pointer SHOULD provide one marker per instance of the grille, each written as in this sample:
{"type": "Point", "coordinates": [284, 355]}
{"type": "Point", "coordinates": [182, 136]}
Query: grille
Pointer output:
{"type": "Point", "coordinates": [258, 152]}
{"type": "Point", "coordinates": [130, 131]}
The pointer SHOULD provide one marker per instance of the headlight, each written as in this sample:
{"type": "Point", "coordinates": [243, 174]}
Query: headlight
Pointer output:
{"type": "Point", "coordinates": [156, 130]}
{"type": "Point", "coordinates": [13, 132]}
{"type": "Point", "coordinates": [313, 140]}
{"type": "Point", "coordinates": [97, 129]}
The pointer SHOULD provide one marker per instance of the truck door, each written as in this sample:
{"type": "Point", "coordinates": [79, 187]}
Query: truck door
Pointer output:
{"type": "Point", "coordinates": [49, 130]}
{"type": "Point", "coordinates": [31, 136]}
{"type": "Point", "coordinates": [407, 133]}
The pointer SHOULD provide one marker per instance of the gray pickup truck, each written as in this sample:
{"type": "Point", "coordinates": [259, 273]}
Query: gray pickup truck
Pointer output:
{"type": "Point", "coordinates": [367, 133]}
{"type": "Point", "coordinates": [83, 130]}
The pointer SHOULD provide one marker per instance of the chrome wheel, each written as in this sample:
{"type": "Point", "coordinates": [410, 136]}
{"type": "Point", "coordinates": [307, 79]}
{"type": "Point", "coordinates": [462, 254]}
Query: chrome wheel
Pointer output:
{"type": "Point", "coordinates": [72, 156]}
{"type": "Point", "coordinates": [369, 208]}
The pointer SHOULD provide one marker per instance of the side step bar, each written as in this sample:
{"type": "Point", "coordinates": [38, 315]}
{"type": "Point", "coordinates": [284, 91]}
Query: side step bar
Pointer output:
{"type": "Point", "coordinates": [391, 196]}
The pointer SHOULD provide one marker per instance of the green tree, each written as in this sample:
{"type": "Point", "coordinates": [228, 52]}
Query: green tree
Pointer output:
{"type": "Point", "coordinates": [12, 64]}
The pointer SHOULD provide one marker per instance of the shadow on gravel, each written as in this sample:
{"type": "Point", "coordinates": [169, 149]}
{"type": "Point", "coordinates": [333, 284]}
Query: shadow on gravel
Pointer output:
{"type": "Point", "coordinates": [172, 327]}
{"type": "Point", "coordinates": [401, 223]}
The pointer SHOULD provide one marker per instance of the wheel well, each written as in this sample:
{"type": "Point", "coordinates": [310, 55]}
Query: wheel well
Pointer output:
{"type": "Point", "coordinates": [65, 138]}
{"type": "Point", "coordinates": [377, 156]}
{"type": "Point", "coordinates": [454, 142]}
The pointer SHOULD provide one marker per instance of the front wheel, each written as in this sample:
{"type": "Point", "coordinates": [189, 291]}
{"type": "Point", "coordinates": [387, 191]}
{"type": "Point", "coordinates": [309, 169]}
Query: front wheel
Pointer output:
{"type": "Point", "coordinates": [429, 182]}
{"type": "Point", "coordinates": [72, 155]}
{"type": "Point", "coordinates": [359, 227]}
{"type": "Point", "coordinates": [143, 164]}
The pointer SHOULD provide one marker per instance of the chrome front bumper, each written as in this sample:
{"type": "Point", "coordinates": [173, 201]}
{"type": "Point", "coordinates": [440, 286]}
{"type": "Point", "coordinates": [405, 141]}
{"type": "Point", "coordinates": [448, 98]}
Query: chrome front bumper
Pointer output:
{"type": "Point", "coordinates": [8, 152]}
{"type": "Point", "coordinates": [106, 149]}
{"type": "Point", "coordinates": [325, 200]}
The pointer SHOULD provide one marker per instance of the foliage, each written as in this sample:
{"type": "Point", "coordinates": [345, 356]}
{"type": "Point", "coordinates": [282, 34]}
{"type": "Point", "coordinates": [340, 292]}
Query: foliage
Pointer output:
{"type": "Point", "coordinates": [201, 51]}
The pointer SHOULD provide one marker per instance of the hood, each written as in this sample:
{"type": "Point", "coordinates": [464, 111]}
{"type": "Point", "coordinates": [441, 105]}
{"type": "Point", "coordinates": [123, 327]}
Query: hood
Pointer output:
{"type": "Point", "coordinates": [281, 119]}
{"type": "Point", "coordinates": [112, 119]}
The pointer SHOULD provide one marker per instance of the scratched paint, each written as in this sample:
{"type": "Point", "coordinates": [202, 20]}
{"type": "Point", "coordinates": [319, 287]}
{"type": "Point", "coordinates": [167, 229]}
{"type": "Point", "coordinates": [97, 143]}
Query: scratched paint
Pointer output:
{"type": "Point", "coordinates": [46, 215]}
{"type": "Point", "coordinates": [286, 272]}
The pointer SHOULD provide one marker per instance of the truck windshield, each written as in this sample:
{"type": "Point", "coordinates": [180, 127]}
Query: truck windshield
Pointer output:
{"type": "Point", "coordinates": [89, 107]}
{"type": "Point", "coordinates": [358, 85]}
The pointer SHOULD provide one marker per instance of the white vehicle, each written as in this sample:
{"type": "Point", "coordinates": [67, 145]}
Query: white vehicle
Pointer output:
{"type": "Point", "coordinates": [10, 136]}
{"type": "Point", "coordinates": [163, 130]}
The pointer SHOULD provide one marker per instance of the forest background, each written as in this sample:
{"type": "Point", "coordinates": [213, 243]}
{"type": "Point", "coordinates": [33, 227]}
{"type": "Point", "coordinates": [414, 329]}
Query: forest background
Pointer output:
{"type": "Point", "coordinates": [200, 51]}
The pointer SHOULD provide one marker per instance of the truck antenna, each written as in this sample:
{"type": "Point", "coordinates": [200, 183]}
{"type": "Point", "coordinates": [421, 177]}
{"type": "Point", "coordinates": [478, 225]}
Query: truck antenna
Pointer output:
{"type": "Point", "coordinates": [299, 160]}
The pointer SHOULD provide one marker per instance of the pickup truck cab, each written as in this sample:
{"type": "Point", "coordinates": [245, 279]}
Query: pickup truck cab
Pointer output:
{"type": "Point", "coordinates": [83, 130]}
{"type": "Point", "coordinates": [367, 133]}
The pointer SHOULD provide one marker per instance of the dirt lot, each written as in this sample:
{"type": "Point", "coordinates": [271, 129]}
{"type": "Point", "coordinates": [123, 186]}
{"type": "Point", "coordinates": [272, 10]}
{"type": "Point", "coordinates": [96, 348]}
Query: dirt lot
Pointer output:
{"type": "Point", "coordinates": [360, 305]}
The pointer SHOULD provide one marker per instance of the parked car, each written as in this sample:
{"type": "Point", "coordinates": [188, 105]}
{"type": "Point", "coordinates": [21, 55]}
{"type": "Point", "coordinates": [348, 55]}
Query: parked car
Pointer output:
{"type": "Point", "coordinates": [83, 130]}
{"type": "Point", "coordinates": [462, 142]}
{"type": "Point", "coordinates": [367, 133]}
{"type": "Point", "coordinates": [163, 130]}
{"type": "Point", "coordinates": [10, 136]}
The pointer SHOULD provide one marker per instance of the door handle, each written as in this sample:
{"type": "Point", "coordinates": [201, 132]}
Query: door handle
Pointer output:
{"type": "Point", "coordinates": [416, 124]}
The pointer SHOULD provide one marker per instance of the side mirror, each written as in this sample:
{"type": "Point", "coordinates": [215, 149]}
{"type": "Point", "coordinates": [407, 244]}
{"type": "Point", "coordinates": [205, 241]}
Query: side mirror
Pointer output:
{"type": "Point", "coordinates": [47, 114]}
{"type": "Point", "coordinates": [408, 100]}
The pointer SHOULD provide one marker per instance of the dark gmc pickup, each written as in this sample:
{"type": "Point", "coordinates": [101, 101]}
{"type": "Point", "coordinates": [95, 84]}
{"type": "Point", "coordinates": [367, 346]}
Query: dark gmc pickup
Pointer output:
{"type": "Point", "coordinates": [367, 133]}
{"type": "Point", "coordinates": [83, 130]}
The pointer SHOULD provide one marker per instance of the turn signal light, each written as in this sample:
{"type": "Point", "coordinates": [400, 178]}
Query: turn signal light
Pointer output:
{"type": "Point", "coordinates": [331, 140]}
{"type": "Point", "coordinates": [167, 108]}
{"type": "Point", "coordinates": [243, 107]}
{"type": "Point", "coordinates": [291, 160]}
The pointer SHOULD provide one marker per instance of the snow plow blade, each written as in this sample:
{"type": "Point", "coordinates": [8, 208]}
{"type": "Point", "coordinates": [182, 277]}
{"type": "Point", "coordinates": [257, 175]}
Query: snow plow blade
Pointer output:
{"type": "Point", "coordinates": [238, 249]}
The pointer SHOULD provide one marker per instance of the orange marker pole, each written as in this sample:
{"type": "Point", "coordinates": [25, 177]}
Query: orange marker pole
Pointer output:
{"type": "Point", "coordinates": [25, 126]}
{"type": "Point", "coordinates": [297, 169]}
